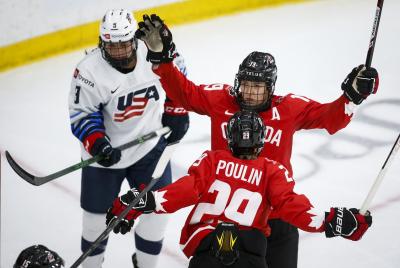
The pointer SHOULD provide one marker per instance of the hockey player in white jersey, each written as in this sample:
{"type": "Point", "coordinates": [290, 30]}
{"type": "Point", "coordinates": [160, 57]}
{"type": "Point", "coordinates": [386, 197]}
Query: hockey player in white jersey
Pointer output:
{"type": "Point", "coordinates": [115, 98]}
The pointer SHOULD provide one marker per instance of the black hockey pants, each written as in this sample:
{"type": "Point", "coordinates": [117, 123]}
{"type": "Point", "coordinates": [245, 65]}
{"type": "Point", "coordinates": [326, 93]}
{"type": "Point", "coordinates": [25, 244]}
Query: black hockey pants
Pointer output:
{"type": "Point", "coordinates": [283, 245]}
{"type": "Point", "coordinates": [252, 248]}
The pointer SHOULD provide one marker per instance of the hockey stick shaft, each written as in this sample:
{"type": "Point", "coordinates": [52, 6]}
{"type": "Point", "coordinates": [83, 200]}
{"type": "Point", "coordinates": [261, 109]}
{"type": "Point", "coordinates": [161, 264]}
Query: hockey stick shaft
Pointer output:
{"type": "Point", "coordinates": [36, 180]}
{"type": "Point", "coordinates": [380, 176]}
{"type": "Point", "coordinates": [158, 171]}
{"type": "Point", "coordinates": [395, 147]}
{"type": "Point", "coordinates": [374, 34]}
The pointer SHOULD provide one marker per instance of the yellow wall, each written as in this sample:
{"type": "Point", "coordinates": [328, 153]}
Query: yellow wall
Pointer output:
{"type": "Point", "coordinates": [87, 34]}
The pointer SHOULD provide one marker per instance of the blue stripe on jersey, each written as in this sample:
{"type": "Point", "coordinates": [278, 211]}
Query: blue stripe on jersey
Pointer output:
{"type": "Point", "coordinates": [89, 128]}
{"type": "Point", "coordinates": [74, 115]}
{"type": "Point", "coordinates": [87, 125]}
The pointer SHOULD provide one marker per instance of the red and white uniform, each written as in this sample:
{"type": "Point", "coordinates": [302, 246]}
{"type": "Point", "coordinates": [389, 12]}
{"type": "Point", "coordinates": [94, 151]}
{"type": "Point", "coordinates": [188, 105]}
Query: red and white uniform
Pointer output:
{"type": "Point", "coordinates": [224, 188]}
{"type": "Point", "coordinates": [287, 114]}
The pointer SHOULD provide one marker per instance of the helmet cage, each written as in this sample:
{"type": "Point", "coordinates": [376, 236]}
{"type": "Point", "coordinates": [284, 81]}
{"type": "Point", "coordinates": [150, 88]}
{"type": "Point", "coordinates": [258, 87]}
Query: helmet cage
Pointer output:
{"type": "Point", "coordinates": [119, 49]}
{"type": "Point", "coordinates": [269, 91]}
{"type": "Point", "coordinates": [117, 40]}
{"type": "Point", "coordinates": [257, 67]}
{"type": "Point", "coordinates": [245, 133]}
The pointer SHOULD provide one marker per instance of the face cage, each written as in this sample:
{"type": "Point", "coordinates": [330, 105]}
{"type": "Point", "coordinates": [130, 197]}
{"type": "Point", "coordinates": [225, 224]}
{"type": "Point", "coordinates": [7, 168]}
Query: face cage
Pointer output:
{"type": "Point", "coordinates": [259, 107]}
{"type": "Point", "coordinates": [119, 63]}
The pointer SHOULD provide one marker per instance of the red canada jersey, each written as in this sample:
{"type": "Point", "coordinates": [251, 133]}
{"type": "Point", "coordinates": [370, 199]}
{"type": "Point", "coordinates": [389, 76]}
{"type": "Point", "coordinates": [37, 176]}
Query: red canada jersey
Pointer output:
{"type": "Point", "coordinates": [224, 188]}
{"type": "Point", "coordinates": [287, 114]}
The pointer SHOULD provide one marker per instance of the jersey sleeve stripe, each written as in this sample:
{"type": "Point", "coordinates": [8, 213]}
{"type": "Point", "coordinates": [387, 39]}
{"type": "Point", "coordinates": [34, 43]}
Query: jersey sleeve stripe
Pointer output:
{"type": "Point", "coordinates": [75, 115]}
{"type": "Point", "coordinates": [93, 122]}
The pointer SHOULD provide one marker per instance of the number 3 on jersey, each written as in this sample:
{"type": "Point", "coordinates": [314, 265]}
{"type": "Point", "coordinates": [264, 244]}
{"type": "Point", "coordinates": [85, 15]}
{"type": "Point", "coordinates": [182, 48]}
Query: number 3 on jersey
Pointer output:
{"type": "Point", "coordinates": [241, 197]}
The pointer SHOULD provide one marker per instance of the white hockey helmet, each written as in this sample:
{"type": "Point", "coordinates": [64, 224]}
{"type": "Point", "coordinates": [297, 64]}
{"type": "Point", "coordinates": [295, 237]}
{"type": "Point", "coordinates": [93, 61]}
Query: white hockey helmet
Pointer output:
{"type": "Point", "coordinates": [118, 25]}
{"type": "Point", "coordinates": [117, 38]}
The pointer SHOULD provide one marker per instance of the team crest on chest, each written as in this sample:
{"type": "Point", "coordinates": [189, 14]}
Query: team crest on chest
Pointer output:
{"type": "Point", "coordinates": [134, 103]}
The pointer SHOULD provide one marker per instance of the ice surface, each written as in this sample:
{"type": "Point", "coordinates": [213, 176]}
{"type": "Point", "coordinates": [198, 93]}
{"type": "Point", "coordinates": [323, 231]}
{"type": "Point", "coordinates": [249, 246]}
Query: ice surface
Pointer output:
{"type": "Point", "coordinates": [315, 44]}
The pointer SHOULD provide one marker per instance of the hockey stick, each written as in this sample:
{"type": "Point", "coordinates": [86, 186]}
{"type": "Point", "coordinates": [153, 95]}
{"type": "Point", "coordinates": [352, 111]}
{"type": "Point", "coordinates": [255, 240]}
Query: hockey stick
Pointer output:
{"type": "Point", "coordinates": [36, 180]}
{"type": "Point", "coordinates": [158, 171]}
{"type": "Point", "coordinates": [395, 148]}
{"type": "Point", "coordinates": [372, 41]}
{"type": "Point", "coordinates": [380, 176]}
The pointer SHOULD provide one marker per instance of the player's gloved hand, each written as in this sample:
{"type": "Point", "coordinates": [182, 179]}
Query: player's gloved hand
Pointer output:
{"type": "Point", "coordinates": [103, 147]}
{"type": "Point", "coordinates": [145, 205]}
{"type": "Point", "coordinates": [158, 39]}
{"type": "Point", "coordinates": [177, 119]}
{"type": "Point", "coordinates": [348, 223]}
{"type": "Point", "coordinates": [360, 83]}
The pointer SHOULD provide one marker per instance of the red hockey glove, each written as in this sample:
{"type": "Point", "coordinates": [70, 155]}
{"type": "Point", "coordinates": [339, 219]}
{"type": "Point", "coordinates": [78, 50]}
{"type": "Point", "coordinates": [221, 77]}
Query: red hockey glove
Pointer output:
{"type": "Point", "coordinates": [360, 83]}
{"type": "Point", "coordinates": [145, 205]}
{"type": "Point", "coordinates": [348, 223]}
{"type": "Point", "coordinates": [158, 39]}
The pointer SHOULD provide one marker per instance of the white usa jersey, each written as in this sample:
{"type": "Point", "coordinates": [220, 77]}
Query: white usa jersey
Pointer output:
{"type": "Point", "coordinates": [124, 106]}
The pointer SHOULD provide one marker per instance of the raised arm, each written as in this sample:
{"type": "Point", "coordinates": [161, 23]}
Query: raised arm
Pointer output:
{"type": "Point", "coordinates": [197, 98]}
{"type": "Point", "coordinates": [298, 210]}
{"type": "Point", "coordinates": [333, 116]}
{"type": "Point", "coordinates": [310, 114]}
{"type": "Point", "coordinates": [161, 52]}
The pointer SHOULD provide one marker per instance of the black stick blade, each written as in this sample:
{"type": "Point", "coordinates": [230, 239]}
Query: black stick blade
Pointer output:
{"type": "Point", "coordinates": [20, 171]}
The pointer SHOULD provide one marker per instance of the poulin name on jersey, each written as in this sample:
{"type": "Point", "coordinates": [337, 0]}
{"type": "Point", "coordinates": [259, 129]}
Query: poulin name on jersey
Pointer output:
{"type": "Point", "coordinates": [239, 172]}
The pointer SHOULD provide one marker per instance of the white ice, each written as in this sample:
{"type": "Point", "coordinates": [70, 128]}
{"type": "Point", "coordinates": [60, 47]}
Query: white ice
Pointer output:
{"type": "Point", "coordinates": [315, 44]}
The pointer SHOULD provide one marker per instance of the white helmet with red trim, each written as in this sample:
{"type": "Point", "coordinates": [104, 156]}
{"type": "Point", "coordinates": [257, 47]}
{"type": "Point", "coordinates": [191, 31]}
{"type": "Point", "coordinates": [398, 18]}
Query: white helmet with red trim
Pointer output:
{"type": "Point", "coordinates": [117, 37]}
{"type": "Point", "coordinates": [118, 25]}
